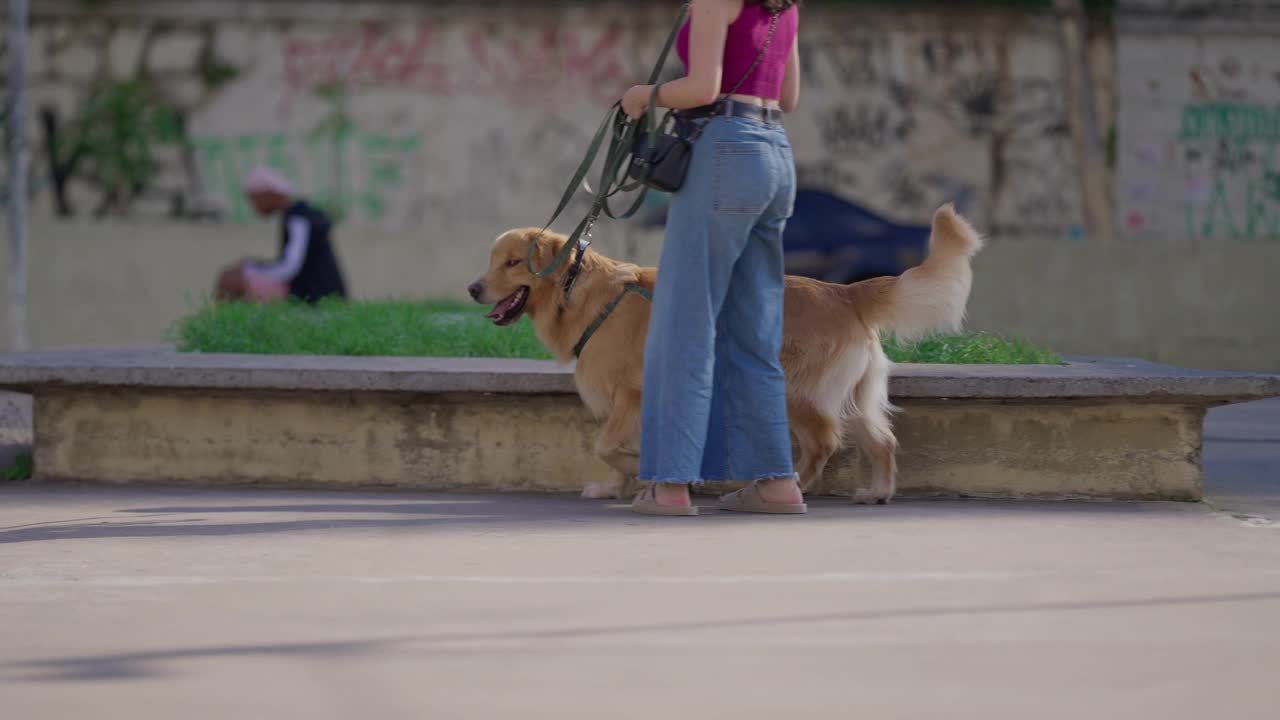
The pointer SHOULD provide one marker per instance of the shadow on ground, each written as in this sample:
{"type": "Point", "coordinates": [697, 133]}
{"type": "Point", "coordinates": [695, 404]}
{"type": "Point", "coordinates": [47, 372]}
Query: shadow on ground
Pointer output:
{"type": "Point", "coordinates": [196, 513]}
{"type": "Point", "coordinates": [140, 665]}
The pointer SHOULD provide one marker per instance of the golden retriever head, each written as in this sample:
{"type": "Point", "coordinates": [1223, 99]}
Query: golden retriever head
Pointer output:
{"type": "Point", "coordinates": [509, 285]}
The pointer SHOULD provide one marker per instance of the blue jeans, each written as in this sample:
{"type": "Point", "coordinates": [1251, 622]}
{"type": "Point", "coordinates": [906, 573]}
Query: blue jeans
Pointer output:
{"type": "Point", "coordinates": [715, 405]}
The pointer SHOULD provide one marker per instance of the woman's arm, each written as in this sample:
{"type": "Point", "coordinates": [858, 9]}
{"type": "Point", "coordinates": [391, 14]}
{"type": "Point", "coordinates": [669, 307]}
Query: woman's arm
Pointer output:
{"type": "Point", "coordinates": [709, 28]}
{"type": "Point", "coordinates": [791, 81]}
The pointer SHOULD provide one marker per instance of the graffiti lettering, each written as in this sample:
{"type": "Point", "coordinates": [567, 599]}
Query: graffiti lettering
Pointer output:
{"type": "Point", "coordinates": [1251, 215]}
{"type": "Point", "coordinates": [367, 57]}
{"type": "Point", "coordinates": [922, 119]}
{"type": "Point", "coordinates": [1229, 154]}
{"type": "Point", "coordinates": [1230, 121]}
{"type": "Point", "coordinates": [849, 127]}
{"type": "Point", "coordinates": [544, 65]}
{"type": "Point", "coordinates": [351, 172]}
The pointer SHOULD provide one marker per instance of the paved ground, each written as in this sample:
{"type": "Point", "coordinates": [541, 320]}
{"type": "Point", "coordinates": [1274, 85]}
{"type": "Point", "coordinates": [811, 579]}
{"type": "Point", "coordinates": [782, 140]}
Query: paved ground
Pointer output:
{"type": "Point", "coordinates": [191, 604]}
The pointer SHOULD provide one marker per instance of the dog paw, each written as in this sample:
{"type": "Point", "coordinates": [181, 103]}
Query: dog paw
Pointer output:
{"type": "Point", "coordinates": [601, 490]}
{"type": "Point", "coordinates": [864, 496]}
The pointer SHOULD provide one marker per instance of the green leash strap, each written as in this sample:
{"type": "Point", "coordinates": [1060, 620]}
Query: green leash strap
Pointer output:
{"type": "Point", "coordinates": [617, 159]}
{"type": "Point", "coordinates": [578, 176]}
{"type": "Point", "coordinates": [628, 289]}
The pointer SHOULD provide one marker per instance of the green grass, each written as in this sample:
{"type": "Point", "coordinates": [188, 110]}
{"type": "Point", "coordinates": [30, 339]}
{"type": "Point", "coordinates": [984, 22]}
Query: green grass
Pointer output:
{"type": "Point", "coordinates": [389, 328]}
{"type": "Point", "coordinates": [976, 349]}
{"type": "Point", "coordinates": [452, 329]}
{"type": "Point", "coordinates": [21, 469]}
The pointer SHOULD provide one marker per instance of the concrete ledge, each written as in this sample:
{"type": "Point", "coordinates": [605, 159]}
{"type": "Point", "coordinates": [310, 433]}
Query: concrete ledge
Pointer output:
{"type": "Point", "coordinates": [1080, 379]}
{"type": "Point", "coordinates": [269, 373]}
{"type": "Point", "coordinates": [1113, 429]}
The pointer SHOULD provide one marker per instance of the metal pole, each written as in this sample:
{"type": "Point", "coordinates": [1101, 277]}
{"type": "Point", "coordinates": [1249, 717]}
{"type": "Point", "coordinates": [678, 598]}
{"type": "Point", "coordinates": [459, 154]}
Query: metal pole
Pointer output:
{"type": "Point", "coordinates": [18, 339]}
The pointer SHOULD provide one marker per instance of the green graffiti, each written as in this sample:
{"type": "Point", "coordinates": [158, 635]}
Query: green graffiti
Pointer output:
{"type": "Point", "coordinates": [1271, 185]}
{"type": "Point", "coordinates": [224, 161]}
{"type": "Point", "coordinates": [1253, 215]}
{"type": "Point", "coordinates": [1230, 121]}
{"type": "Point", "coordinates": [1231, 147]}
{"type": "Point", "coordinates": [345, 170]}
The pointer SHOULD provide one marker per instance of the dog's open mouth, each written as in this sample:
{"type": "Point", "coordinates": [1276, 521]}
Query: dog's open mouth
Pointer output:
{"type": "Point", "coordinates": [510, 308]}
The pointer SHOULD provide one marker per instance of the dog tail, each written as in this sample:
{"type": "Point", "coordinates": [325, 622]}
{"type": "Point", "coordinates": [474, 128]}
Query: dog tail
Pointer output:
{"type": "Point", "coordinates": [932, 296]}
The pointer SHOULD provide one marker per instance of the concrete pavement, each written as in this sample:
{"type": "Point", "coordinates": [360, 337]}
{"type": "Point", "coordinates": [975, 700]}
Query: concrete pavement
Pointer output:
{"type": "Point", "coordinates": [145, 603]}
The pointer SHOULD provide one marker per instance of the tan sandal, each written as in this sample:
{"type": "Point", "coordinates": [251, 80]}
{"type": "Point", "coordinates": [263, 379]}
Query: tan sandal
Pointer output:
{"type": "Point", "coordinates": [646, 503]}
{"type": "Point", "coordinates": [749, 500]}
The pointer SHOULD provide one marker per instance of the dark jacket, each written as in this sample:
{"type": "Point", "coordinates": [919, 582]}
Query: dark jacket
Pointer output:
{"type": "Point", "coordinates": [319, 276]}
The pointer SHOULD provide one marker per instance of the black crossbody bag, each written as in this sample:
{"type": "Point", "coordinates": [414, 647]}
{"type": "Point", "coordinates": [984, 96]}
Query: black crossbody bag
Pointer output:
{"type": "Point", "coordinates": [660, 157]}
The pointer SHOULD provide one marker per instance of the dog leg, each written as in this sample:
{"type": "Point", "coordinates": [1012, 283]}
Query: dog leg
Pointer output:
{"type": "Point", "coordinates": [873, 429]}
{"type": "Point", "coordinates": [616, 445]}
{"type": "Point", "coordinates": [610, 489]}
{"type": "Point", "coordinates": [819, 438]}
{"type": "Point", "coordinates": [875, 437]}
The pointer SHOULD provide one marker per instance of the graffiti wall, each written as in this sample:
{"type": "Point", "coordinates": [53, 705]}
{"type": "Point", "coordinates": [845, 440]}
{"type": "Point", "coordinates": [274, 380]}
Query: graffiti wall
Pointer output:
{"type": "Point", "coordinates": [1200, 9]}
{"type": "Point", "coordinates": [457, 120]}
{"type": "Point", "coordinates": [1199, 132]}
{"type": "Point", "coordinates": [942, 108]}
{"type": "Point", "coordinates": [385, 125]}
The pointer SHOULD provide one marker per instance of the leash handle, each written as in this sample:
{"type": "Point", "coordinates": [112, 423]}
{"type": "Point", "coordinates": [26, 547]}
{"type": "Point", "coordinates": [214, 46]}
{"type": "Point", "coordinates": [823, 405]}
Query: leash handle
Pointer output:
{"type": "Point", "coordinates": [624, 131]}
{"type": "Point", "coordinates": [657, 71]}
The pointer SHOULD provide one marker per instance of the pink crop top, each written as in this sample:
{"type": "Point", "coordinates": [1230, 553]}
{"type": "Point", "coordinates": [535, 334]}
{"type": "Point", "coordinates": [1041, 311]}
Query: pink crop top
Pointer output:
{"type": "Point", "coordinates": [742, 44]}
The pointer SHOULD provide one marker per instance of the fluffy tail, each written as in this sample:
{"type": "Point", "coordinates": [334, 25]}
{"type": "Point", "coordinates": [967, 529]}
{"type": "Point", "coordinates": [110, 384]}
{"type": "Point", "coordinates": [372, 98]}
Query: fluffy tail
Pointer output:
{"type": "Point", "coordinates": [932, 296]}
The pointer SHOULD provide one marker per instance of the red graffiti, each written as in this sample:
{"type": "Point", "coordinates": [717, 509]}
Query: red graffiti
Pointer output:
{"type": "Point", "coordinates": [549, 65]}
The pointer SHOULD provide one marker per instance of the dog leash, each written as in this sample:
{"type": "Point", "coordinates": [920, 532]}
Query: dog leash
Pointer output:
{"type": "Point", "coordinates": [622, 132]}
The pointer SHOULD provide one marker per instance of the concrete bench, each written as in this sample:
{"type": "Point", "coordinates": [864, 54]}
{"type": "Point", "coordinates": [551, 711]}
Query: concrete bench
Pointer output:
{"type": "Point", "coordinates": [1092, 428]}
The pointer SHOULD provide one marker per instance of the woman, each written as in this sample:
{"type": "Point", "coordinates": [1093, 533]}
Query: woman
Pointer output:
{"type": "Point", "coordinates": [714, 403]}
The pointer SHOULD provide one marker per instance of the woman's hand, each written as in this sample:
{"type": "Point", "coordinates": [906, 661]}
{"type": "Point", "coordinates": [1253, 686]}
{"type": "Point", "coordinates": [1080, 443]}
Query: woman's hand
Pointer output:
{"type": "Point", "coordinates": [635, 103]}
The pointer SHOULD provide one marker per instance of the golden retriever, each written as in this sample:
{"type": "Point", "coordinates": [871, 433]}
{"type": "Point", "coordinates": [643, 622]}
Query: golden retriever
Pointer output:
{"type": "Point", "coordinates": [837, 371]}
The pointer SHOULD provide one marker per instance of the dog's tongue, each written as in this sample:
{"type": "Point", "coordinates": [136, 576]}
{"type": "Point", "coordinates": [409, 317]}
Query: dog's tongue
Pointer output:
{"type": "Point", "coordinates": [500, 310]}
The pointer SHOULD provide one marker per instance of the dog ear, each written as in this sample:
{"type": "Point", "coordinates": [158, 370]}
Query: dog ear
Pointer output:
{"type": "Point", "coordinates": [547, 246]}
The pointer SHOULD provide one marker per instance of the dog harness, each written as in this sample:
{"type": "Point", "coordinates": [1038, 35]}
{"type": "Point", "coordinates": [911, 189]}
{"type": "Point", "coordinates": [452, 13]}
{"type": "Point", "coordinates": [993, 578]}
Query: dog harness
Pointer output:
{"type": "Point", "coordinates": [627, 289]}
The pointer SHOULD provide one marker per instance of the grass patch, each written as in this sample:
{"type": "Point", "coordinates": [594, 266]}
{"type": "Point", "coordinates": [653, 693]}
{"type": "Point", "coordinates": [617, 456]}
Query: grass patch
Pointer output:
{"type": "Point", "coordinates": [976, 349]}
{"type": "Point", "coordinates": [21, 469]}
{"type": "Point", "coordinates": [386, 328]}
{"type": "Point", "coordinates": [454, 329]}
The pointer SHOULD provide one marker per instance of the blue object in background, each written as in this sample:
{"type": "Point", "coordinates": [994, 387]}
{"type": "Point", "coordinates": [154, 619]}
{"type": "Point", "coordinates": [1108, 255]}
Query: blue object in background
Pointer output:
{"type": "Point", "coordinates": [829, 238]}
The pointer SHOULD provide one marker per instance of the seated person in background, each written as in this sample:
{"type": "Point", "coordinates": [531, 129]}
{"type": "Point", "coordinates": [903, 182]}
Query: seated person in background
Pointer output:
{"type": "Point", "coordinates": [307, 267]}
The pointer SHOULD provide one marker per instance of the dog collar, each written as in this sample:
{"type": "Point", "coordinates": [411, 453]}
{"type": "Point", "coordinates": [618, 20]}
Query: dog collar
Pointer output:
{"type": "Point", "coordinates": [575, 269]}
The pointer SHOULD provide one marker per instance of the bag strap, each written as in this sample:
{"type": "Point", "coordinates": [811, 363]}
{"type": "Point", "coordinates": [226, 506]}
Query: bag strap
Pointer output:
{"type": "Point", "coordinates": [616, 160]}
{"type": "Point", "coordinates": [655, 126]}
{"type": "Point", "coordinates": [773, 28]}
